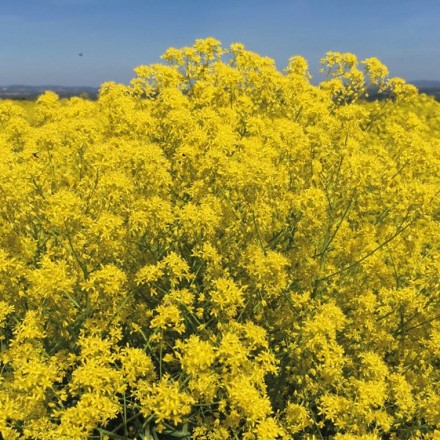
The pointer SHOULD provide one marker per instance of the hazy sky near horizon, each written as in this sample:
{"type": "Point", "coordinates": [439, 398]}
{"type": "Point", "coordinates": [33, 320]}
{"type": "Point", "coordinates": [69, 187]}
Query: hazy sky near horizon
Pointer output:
{"type": "Point", "coordinates": [41, 39]}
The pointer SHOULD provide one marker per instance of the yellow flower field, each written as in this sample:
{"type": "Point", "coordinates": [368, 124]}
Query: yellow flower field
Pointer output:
{"type": "Point", "coordinates": [222, 250]}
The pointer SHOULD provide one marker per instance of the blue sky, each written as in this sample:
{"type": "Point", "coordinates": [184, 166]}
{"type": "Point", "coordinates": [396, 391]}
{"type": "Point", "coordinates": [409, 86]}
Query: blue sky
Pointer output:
{"type": "Point", "coordinates": [40, 39]}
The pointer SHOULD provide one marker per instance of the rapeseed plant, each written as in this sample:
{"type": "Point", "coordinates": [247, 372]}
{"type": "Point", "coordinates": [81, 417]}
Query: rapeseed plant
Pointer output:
{"type": "Point", "coordinates": [222, 250]}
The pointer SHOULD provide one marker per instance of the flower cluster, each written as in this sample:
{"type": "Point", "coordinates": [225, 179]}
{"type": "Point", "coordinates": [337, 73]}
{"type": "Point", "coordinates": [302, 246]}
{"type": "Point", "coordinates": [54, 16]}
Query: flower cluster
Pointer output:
{"type": "Point", "coordinates": [222, 250]}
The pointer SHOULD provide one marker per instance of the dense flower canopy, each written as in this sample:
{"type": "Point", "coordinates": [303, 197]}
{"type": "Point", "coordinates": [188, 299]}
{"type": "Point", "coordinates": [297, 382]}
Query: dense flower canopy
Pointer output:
{"type": "Point", "coordinates": [222, 250]}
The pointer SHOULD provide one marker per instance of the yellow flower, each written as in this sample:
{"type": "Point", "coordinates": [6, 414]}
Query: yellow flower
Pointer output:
{"type": "Point", "coordinates": [164, 401]}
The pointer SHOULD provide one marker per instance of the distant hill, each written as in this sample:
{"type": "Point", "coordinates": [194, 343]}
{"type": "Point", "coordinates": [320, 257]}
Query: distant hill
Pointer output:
{"type": "Point", "coordinates": [428, 87]}
{"type": "Point", "coordinates": [32, 92]}
{"type": "Point", "coordinates": [431, 88]}
{"type": "Point", "coordinates": [426, 84]}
